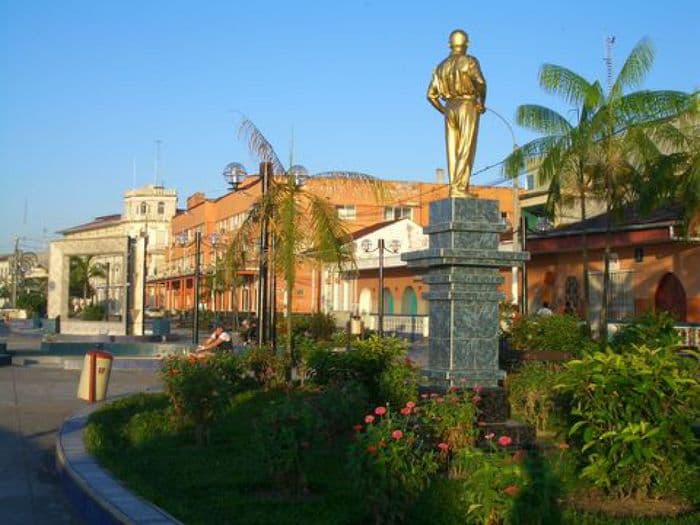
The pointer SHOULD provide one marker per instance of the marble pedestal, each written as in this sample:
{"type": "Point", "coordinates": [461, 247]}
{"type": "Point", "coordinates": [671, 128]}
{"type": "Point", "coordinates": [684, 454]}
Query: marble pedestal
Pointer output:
{"type": "Point", "coordinates": [463, 262]}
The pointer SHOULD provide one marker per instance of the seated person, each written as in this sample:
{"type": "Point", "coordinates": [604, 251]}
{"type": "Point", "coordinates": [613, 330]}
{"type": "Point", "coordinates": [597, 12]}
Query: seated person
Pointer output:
{"type": "Point", "coordinates": [219, 340]}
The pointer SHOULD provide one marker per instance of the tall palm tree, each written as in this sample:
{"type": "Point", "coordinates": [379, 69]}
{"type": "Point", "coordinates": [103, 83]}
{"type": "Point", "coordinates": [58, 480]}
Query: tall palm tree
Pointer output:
{"type": "Point", "coordinates": [304, 226]}
{"type": "Point", "coordinates": [595, 156]}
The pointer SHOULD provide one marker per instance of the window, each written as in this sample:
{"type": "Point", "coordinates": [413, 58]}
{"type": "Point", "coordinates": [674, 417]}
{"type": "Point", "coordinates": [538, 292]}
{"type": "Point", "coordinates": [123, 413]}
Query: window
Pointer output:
{"type": "Point", "coordinates": [161, 208]}
{"type": "Point", "coordinates": [143, 209]}
{"type": "Point", "coordinates": [346, 211]}
{"type": "Point", "coordinates": [393, 213]}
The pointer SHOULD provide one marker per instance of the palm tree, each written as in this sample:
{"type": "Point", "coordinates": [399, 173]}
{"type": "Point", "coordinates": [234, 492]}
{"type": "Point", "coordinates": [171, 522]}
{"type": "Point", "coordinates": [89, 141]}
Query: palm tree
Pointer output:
{"type": "Point", "coordinates": [303, 225]}
{"type": "Point", "coordinates": [595, 157]}
{"type": "Point", "coordinates": [82, 269]}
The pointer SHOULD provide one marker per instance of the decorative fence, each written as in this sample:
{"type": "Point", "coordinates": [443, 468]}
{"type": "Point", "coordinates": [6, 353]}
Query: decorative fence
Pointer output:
{"type": "Point", "coordinates": [406, 326]}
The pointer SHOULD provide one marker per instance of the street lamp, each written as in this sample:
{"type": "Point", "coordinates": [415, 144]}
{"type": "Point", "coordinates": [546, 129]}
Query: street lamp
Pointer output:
{"type": "Point", "coordinates": [381, 248]}
{"type": "Point", "coordinates": [182, 241]}
{"type": "Point", "coordinates": [213, 241]}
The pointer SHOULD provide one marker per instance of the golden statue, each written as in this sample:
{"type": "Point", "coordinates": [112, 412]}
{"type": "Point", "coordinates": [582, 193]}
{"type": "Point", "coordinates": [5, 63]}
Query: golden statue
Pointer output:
{"type": "Point", "coordinates": [459, 82]}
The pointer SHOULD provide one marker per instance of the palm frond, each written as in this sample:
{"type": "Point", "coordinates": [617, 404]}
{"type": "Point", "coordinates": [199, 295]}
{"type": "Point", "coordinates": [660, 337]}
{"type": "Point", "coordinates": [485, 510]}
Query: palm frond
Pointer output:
{"type": "Point", "coordinates": [380, 189]}
{"type": "Point", "coordinates": [258, 145]}
{"type": "Point", "coordinates": [541, 119]}
{"type": "Point", "coordinates": [562, 81]}
{"type": "Point", "coordinates": [635, 68]}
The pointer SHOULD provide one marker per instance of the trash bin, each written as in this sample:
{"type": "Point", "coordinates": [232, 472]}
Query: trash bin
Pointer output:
{"type": "Point", "coordinates": [94, 377]}
{"type": "Point", "coordinates": [356, 325]}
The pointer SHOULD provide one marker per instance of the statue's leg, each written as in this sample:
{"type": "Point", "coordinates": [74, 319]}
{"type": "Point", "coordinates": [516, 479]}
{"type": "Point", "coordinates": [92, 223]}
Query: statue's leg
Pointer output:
{"type": "Point", "coordinates": [451, 142]}
{"type": "Point", "coordinates": [468, 119]}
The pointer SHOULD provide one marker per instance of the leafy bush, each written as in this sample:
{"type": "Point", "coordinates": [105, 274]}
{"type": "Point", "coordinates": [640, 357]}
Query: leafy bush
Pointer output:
{"type": "Point", "coordinates": [197, 393]}
{"type": "Point", "coordinates": [451, 418]}
{"type": "Point", "coordinates": [532, 396]}
{"type": "Point", "coordinates": [554, 333]}
{"type": "Point", "coordinates": [632, 416]}
{"type": "Point", "coordinates": [339, 404]}
{"type": "Point", "coordinates": [318, 326]}
{"type": "Point", "coordinates": [651, 329]}
{"type": "Point", "coordinates": [392, 462]}
{"type": "Point", "coordinates": [398, 383]}
{"type": "Point", "coordinates": [365, 362]}
{"type": "Point", "coordinates": [93, 312]}
{"type": "Point", "coordinates": [267, 367]}
{"type": "Point", "coordinates": [285, 432]}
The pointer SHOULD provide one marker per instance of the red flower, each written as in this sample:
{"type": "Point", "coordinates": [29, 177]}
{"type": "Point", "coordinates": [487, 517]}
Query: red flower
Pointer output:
{"type": "Point", "coordinates": [511, 490]}
{"type": "Point", "coordinates": [357, 428]}
{"type": "Point", "coordinates": [453, 389]}
{"type": "Point", "coordinates": [504, 441]}
{"type": "Point", "coordinates": [380, 411]}
{"type": "Point", "coordinates": [476, 400]}
{"type": "Point", "coordinates": [478, 389]}
{"type": "Point", "coordinates": [369, 419]}
{"type": "Point", "coordinates": [371, 449]}
{"type": "Point", "coordinates": [397, 434]}
{"type": "Point", "coordinates": [444, 447]}
{"type": "Point", "coordinates": [411, 404]}
{"type": "Point", "coordinates": [405, 411]}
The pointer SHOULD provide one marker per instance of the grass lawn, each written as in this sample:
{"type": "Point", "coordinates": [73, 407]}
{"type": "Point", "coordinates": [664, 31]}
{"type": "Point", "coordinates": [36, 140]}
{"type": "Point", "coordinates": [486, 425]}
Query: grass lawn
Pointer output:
{"type": "Point", "coordinates": [228, 481]}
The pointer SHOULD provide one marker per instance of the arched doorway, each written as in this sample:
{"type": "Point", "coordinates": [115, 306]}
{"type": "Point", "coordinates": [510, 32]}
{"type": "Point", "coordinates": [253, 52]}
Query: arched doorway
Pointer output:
{"type": "Point", "coordinates": [670, 297]}
{"type": "Point", "coordinates": [388, 302]}
{"type": "Point", "coordinates": [409, 302]}
{"type": "Point", "coordinates": [365, 302]}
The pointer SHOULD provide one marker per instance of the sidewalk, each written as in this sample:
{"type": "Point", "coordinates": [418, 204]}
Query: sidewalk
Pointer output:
{"type": "Point", "coordinates": [33, 404]}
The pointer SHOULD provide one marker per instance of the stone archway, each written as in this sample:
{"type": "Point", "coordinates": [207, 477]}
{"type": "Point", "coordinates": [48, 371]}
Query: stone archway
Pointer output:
{"type": "Point", "coordinates": [670, 297]}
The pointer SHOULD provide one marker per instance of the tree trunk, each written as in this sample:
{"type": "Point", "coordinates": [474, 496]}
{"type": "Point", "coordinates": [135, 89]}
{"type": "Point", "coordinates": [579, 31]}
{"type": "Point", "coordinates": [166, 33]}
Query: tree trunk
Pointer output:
{"type": "Point", "coordinates": [584, 242]}
{"type": "Point", "coordinates": [603, 328]}
{"type": "Point", "coordinates": [290, 326]}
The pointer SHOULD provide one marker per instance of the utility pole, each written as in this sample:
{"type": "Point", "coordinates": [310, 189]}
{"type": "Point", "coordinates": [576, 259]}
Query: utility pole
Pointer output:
{"type": "Point", "coordinates": [15, 272]}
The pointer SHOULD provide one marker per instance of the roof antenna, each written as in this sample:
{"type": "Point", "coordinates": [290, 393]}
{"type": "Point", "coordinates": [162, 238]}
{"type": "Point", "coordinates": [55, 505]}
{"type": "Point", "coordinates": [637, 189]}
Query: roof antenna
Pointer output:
{"type": "Point", "coordinates": [609, 43]}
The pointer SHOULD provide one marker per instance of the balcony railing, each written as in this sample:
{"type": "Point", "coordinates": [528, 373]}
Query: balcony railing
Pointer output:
{"type": "Point", "coordinates": [689, 332]}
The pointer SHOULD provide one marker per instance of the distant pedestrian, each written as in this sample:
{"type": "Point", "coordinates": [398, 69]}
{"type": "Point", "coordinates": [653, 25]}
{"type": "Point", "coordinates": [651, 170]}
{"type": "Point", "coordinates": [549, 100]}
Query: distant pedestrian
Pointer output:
{"type": "Point", "coordinates": [545, 311]}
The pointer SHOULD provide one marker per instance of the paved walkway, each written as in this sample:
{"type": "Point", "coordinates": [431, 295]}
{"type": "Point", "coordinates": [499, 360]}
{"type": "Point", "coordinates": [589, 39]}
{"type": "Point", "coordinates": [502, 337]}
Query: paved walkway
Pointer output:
{"type": "Point", "coordinates": [33, 404]}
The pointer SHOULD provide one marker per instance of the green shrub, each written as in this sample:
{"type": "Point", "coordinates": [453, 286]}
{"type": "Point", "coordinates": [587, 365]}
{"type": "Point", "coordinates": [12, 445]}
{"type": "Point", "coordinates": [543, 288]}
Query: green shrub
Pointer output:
{"type": "Point", "coordinates": [93, 312]}
{"type": "Point", "coordinates": [553, 333]}
{"type": "Point", "coordinates": [318, 326]}
{"type": "Point", "coordinates": [285, 432]}
{"type": "Point", "coordinates": [266, 366]}
{"type": "Point", "coordinates": [398, 383]}
{"type": "Point", "coordinates": [650, 329]}
{"type": "Point", "coordinates": [632, 416]}
{"type": "Point", "coordinates": [340, 404]}
{"type": "Point", "coordinates": [391, 463]}
{"type": "Point", "coordinates": [365, 362]}
{"type": "Point", "coordinates": [196, 391]}
{"type": "Point", "coordinates": [532, 396]}
{"type": "Point", "coordinates": [451, 418]}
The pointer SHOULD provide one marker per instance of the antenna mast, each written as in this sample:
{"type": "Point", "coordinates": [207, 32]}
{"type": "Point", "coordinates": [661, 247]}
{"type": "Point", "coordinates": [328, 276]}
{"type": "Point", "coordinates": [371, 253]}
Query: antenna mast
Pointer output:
{"type": "Point", "coordinates": [609, 44]}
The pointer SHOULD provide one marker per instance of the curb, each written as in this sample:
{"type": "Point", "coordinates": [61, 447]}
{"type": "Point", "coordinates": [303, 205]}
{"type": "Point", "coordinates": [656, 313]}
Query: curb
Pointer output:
{"type": "Point", "coordinates": [98, 496]}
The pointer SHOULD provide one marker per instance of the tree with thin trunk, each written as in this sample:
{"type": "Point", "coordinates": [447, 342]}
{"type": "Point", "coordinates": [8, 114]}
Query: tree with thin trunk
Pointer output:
{"type": "Point", "coordinates": [303, 225]}
{"type": "Point", "coordinates": [596, 157]}
{"type": "Point", "coordinates": [82, 270]}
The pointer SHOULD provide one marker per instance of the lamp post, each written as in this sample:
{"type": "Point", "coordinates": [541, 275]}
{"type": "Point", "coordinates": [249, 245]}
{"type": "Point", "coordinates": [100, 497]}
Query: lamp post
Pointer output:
{"type": "Point", "coordinates": [213, 241]}
{"type": "Point", "coordinates": [182, 240]}
{"type": "Point", "coordinates": [381, 248]}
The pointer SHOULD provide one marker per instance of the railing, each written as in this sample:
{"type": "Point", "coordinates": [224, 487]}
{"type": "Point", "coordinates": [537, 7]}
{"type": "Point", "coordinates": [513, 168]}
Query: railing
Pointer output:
{"type": "Point", "coordinates": [408, 326]}
{"type": "Point", "coordinates": [689, 332]}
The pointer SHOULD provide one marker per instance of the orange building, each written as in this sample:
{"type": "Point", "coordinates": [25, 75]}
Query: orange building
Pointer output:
{"type": "Point", "coordinates": [215, 219]}
{"type": "Point", "coordinates": [653, 267]}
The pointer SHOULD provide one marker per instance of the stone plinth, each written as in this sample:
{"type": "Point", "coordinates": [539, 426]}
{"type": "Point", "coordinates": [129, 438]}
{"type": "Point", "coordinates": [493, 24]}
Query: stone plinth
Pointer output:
{"type": "Point", "coordinates": [463, 262]}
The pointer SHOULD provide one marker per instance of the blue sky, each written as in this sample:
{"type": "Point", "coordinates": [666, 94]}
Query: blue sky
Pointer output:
{"type": "Point", "coordinates": [88, 87]}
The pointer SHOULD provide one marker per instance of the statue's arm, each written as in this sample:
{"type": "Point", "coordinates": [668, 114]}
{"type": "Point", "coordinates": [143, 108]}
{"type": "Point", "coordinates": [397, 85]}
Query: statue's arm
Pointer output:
{"type": "Point", "coordinates": [434, 95]}
{"type": "Point", "coordinates": [479, 83]}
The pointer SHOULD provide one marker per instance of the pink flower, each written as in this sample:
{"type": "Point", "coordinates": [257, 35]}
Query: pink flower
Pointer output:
{"type": "Point", "coordinates": [424, 396]}
{"type": "Point", "coordinates": [405, 411]}
{"type": "Point", "coordinates": [511, 490]}
{"type": "Point", "coordinates": [476, 400]}
{"type": "Point", "coordinates": [380, 411]}
{"type": "Point", "coordinates": [369, 419]}
{"type": "Point", "coordinates": [397, 434]}
{"type": "Point", "coordinates": [490, 436]}
{"type": "Point", "coordinates": [504, 441]}
{"type": "Point", "coordinates": [357, 428]}
{"type": "Point", "coordinates": [444, 447]}
{"type": "Point", "coordinates": [478, 389]}
{"type": "Point", "coordinates": [411, 404]}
